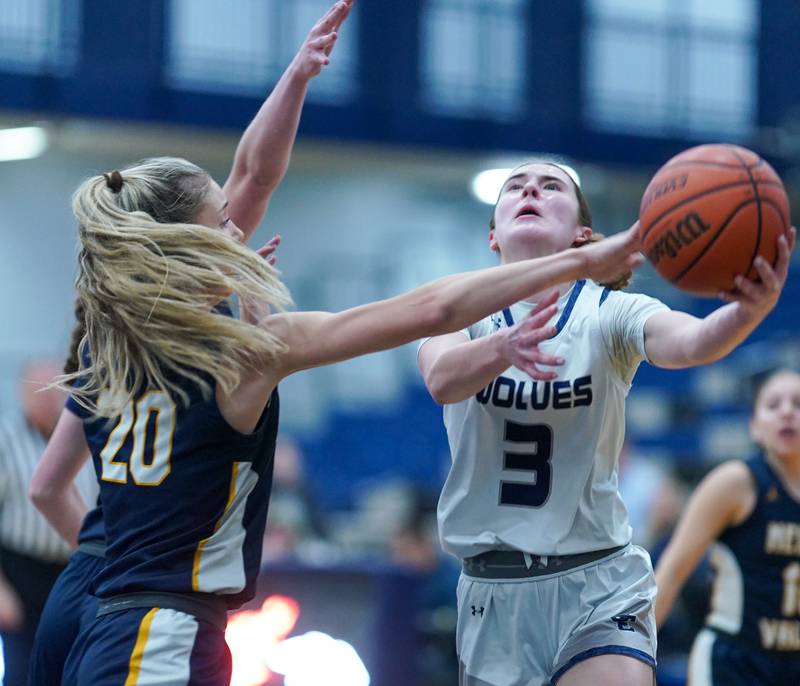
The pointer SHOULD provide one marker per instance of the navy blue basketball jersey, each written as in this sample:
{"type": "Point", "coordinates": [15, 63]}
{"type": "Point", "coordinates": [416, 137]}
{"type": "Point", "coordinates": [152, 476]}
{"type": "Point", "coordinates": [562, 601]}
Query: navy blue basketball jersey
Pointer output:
{"type": "Point", "coordinates": [756, 595]}
{"type": "Point", "coordinates": [184, 495]}
{"type": "Point", "coordinates": [92, 528]}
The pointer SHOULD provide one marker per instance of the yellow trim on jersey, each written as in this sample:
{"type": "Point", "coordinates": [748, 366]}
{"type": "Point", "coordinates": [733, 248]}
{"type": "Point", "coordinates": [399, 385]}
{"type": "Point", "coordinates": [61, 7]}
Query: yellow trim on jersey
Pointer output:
{"type": "Point", "coordinates": [199, 552]}
{"type": "Point", "coordinates": [135, 664]}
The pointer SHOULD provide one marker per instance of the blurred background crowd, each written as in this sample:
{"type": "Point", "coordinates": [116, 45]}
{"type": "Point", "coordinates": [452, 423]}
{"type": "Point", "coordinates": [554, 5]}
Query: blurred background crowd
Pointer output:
{"type": "Point", "coordinates": [391, 184]}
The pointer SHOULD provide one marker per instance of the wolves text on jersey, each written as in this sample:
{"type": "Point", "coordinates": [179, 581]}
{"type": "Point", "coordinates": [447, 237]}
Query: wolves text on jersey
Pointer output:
{"type": "Point", "coordinates": [537, 395]}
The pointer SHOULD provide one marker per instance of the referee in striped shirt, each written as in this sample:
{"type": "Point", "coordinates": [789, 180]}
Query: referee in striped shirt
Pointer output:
{"type": "Point", "coordinates": [32, 554]}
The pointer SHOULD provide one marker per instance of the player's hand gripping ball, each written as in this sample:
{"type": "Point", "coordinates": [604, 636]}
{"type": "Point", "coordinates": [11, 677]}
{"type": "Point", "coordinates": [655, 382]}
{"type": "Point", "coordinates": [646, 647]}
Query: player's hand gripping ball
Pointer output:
{"type": "Point", "coordinates": [708, 213]}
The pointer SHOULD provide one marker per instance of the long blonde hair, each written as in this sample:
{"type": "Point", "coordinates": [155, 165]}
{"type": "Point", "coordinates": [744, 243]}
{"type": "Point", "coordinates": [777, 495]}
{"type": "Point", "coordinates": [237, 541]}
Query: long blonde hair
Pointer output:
{"type": "Point", "coordinates": [148, 279]}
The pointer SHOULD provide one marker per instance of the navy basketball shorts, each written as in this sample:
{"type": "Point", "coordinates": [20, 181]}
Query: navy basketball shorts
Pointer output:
{"type": "Point", "coordinates": [717, 660]}
{"type": "Point", "coordinates": [531, 631]}
{"type": "Point", "coordinates": [156, 647]}
{"type": "Point", "coordinates": [69, 607]}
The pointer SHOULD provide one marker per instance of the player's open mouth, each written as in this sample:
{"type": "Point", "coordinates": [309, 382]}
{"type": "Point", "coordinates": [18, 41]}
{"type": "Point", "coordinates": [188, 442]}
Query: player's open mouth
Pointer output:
{"type": "Point", "coordinates": [527, 211]}
{"type": "Point", "coordinates": [787, 433]}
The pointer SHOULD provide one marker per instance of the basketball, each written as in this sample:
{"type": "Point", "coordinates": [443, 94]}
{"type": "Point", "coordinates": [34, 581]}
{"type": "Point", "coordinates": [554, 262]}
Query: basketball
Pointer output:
{"type": "Point", "coordinates": [708, 213]}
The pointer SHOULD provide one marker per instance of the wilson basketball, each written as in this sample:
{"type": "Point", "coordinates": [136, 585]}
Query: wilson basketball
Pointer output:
{"type": "Point", "coordinates": [708, 213]}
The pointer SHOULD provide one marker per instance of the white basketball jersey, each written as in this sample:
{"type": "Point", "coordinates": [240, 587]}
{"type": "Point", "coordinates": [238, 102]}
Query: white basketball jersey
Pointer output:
{"type": "Point", "coordinates": [535, 463]}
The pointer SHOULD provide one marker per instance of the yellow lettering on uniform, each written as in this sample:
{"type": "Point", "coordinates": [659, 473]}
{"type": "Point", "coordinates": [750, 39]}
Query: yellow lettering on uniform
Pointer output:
{"type": "Point", "coordinates": [789, 636]}
{"type": "Point", "coordinates": [783, 538]}
{"type": "Point", "coordinates": [776, 538]}
{"type": "Point", "coordinates": [769, 632]}
{"type": "Point", "coordinates": [779, 634]}
{"type": "Point", "coordinates": [794, 535]}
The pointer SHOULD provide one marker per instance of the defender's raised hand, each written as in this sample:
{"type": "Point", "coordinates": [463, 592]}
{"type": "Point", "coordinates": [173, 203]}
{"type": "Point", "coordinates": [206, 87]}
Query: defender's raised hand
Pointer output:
{"type": "Point", "coordinates": [262, 156]}
{"type": "Point", "coordinates": [267, 251]}
{"type": "Point", "coordinates": [314, 53]}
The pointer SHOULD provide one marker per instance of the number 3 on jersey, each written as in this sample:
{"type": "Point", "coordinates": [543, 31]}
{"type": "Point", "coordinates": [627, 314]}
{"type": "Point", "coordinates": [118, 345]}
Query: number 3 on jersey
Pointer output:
{"type": "Point", "coordinates": [535, 460]}
{"type": "Point", "coordinates": [150, 469]}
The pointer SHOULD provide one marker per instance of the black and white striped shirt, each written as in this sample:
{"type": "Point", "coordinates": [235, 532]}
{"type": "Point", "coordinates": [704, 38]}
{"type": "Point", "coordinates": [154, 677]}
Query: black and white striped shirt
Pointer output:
{"type": "Point", "coordinates": [22, 527]}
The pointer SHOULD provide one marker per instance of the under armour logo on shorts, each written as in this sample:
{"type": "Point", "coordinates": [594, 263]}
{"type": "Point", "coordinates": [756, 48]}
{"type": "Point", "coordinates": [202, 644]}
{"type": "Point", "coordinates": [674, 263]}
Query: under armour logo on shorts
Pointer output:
{"type": "Point", "coordinates": [472, 565]}
{"type": "Point", "coordinates": [624, 622]}
{"type": "Point", "coordinates": [477, 610]}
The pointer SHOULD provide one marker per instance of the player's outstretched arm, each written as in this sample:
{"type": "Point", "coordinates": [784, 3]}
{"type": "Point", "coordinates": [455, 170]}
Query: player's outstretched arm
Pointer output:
{"type": "Point", "coordinates": [52, 488]}
{"type": "Point", "coordinates": [725, 497]}
{"type": "Point", "coordinates": [262, 156]}
{"type": "Point", "coordinates": [445, 305]}
{"type": "Point", "coordinates": [676, 340]}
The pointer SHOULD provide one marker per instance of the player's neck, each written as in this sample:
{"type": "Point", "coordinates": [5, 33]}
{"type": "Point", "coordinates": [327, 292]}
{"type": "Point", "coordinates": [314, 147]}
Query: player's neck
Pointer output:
{"type": "Point", "coordinates": [537, 297]}
{"type": "Point", "coordinates": [788, 468]}
{"type": "Point", "coordinates": [541, 295]}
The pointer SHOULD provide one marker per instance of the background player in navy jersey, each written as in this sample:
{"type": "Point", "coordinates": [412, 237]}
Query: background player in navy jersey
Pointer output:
{"type": "Point", "coordinates": [260, 163]}
{"type": "Point", "coordinates": [178, 403]}
{"type": "Point", "coordinates": [551, 589]}
{"type": "Point", "coordinates": [748, 512]}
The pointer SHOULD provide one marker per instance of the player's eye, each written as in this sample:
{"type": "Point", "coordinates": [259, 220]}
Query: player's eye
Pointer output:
{"type": "Point", "coordinates": [552, 186]}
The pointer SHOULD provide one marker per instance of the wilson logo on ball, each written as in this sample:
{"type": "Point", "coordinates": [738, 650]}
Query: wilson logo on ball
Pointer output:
{"type": "Point", "coordinates": [673, 240]}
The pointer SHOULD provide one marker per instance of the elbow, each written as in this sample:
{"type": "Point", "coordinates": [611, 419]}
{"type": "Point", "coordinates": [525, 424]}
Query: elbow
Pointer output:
{"type": "Point", "coordinates": [37, 495]}
{"type": "Point", "coordinates": [40, 492]}
{"type": "Point", "coordinates": [438, 393]}
{"type": "Point", "coordinates": [440, 388]}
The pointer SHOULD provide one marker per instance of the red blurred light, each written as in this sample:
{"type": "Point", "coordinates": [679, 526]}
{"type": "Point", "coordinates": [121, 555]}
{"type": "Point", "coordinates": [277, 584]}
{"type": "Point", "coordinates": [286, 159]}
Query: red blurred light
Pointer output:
{"type": "Point", "coordinates": [252, 634]}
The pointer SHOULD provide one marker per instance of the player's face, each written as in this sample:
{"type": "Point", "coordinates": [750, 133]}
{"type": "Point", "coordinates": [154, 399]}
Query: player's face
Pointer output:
{"type": "Point", "coordinates": [775, 424]}
{"type": "Point", "coordinates": [536, 214]}
{"type": "Point", "coordinates": [214, 214]}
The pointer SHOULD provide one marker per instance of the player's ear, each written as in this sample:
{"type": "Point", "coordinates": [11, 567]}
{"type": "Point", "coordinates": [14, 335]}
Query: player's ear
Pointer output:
{"type": "Point", "coordinates": [493, 246]}
{"type": "Point", "coordinates": [582, 237]}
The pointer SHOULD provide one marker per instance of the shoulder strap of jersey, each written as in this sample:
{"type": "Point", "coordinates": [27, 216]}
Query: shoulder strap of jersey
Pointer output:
{"type": "Point", "coordinates": [606, 292]}
{"type": "Point", "coordinates": [762, 474]}
{"type": "Point", "coordinates": [573, 298]}
{"type": "Point", "coordinates": [562, 320]}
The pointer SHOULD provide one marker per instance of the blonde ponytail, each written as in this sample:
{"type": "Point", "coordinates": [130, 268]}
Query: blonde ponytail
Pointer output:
{"type": "Point", "coordinates": [148, 278]}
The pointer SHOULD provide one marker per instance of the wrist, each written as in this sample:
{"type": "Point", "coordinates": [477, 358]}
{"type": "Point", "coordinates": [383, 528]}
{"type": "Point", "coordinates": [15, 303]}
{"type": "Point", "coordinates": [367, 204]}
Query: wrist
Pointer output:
{"type": "Point", "coordinates": [751, 314]}
{"type": "Point", "coordinates": [296, 74]}
{"type": "Point", "coordinates": [501, 346]}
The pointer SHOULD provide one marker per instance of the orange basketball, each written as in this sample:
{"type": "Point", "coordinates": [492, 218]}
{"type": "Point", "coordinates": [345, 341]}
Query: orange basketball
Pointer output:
{"type": "Point", "coordinates": [707, 214]}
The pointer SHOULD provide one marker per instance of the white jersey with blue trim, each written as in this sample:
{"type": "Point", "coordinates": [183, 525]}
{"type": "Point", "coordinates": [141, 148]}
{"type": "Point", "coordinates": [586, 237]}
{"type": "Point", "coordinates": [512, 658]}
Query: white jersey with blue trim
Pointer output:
{"type": "Point", "coordinates": [535, 463]}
